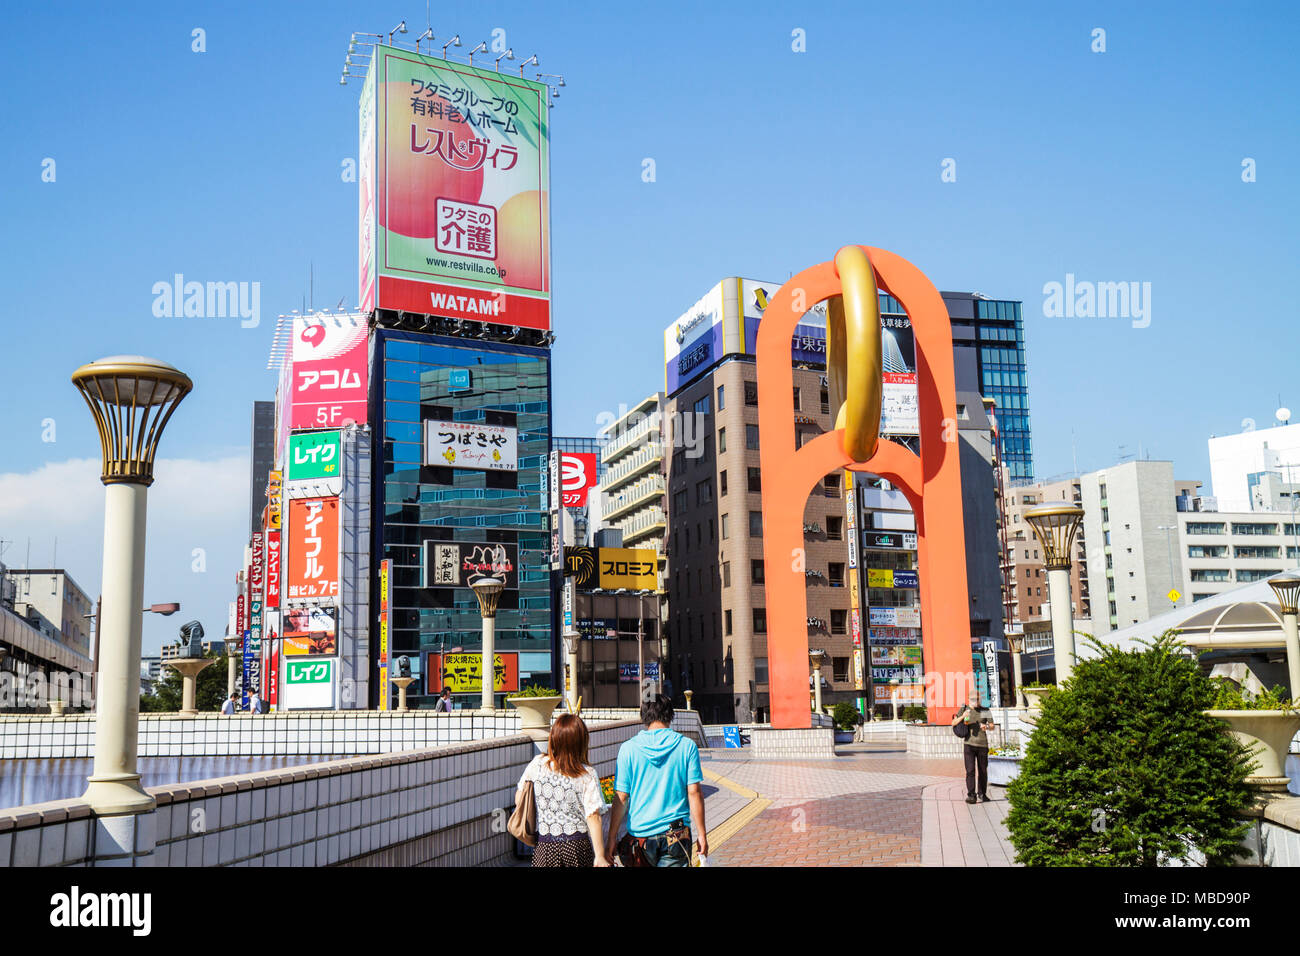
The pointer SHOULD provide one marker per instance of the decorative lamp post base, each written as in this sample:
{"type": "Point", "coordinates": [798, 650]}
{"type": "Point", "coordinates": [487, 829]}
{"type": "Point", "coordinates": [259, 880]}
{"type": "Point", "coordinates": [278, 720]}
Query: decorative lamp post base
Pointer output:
{"type": "Point", "coordinates": [110, 794]}
{"type": "Point", "coordinates": [402, 683]}
{"type": "Point", "coordinates": [189, 670]}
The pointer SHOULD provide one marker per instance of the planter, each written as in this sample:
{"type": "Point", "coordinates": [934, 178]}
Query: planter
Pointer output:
{"type": "Point", "coordinates": [1002, 770]}
{"type": "Point", "coordinates": [1036, 695]}
{"type": "Point", "coordinates": [844, 736]}
{"type": "Point", "coordinates": [534, 712]}
{"type": "Point", "coordinates": [57, 708]}
{"type": "Point", "coordinates": [1268, 734]}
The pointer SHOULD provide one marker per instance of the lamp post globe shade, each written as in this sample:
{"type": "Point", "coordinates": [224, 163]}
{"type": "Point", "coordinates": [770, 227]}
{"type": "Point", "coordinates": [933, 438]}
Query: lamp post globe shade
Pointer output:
{"type": "Point", "coordinates": [1016, 642]}
{"type": "Point", "coordinates": [1055, 527]}
{"type": "Point", "coordinates": [131, 398]}
{"type": "Point", "coordinates": [1287, 588]}
{"type": "Point", "coordinates": [488, 592]}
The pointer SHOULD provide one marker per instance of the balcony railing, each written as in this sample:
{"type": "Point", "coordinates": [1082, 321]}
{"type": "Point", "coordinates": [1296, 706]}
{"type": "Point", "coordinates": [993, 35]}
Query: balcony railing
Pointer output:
{"type": "Point", "coordinates": [639, 493]}
{"type": "Point", "coordinates": [652, 454]}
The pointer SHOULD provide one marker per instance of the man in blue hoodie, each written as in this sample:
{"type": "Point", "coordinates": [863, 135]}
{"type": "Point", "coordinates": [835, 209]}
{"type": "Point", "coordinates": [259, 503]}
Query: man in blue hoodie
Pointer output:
{"type": "Point", "coordinates": [657, 787]}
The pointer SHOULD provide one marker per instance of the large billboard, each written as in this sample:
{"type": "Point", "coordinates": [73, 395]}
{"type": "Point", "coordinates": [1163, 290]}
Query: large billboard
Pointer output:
{"type": "Point", "coordinates": [309, 632]}
{"type": "Point", "coordinates": [314, 455]}
{"type": "Point", "coordinates": [699, 338]}
{"type": "Point", "coordinates": [577, 477]}
{"type": "Point", "coordinates": [329, 371]}
{"type": "Point", "coordinates": [312, 542]}
{"type": "Point", "coordinates": [455, 564]}
{"type": "Point", "coordinates": [471, 445]}
{"type": "Point", "coordinates": [635, 569]}
{"type": "Point", "coordinates": [463, 673]}
{"type": "Point", "coordinates": [460, 221]}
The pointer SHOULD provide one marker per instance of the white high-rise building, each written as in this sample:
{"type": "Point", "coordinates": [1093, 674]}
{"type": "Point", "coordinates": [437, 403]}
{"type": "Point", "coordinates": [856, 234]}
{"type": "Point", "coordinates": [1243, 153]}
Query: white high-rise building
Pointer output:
{"type": "Point", "coordinates": [1240, 463]}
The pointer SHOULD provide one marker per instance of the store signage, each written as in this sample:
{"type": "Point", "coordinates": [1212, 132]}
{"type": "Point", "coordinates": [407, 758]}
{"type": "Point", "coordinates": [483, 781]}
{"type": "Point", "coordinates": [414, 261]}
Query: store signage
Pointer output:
{"type": "Point", "coordinates": [471, 445]}
{"type": "Point", "coordinates": [463, 673]}
{"type": "Point", "coordinates": [456, 564]}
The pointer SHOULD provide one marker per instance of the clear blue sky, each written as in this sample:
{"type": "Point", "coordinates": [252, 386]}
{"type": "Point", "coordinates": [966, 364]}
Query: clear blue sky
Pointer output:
{"type": "Point", "coordinates": [1116, 166]}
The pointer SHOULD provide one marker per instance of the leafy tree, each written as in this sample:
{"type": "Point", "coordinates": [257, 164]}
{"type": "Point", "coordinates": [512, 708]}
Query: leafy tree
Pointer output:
{"type": "Point", "coordinates": [210, 693]}
{"type": "Point", "coordinates": [1124, 769]}
{"type": "Point", "coordinates": [846, 716]}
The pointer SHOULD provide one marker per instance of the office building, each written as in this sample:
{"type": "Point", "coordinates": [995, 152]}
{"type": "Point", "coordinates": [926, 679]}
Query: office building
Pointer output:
{"type": "Point", "coordinates": [1239, 463]}
{"type": "Point", "coordinates": [261, 461]}
{"type": "Point", "coordinates": [50, 601]}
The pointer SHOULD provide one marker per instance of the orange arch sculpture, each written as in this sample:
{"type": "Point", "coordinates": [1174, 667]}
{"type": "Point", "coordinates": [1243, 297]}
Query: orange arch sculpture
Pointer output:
{"type": "Point", "coordinates": [931, 483]}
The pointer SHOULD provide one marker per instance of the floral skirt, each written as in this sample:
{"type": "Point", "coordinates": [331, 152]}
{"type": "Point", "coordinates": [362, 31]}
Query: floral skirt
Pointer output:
{"type": "Point", "coordinates": [573, 851]}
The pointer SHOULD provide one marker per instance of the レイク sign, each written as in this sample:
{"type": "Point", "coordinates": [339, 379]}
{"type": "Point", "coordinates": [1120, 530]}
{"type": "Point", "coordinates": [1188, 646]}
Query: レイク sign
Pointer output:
{"type": "Point", "coordinates": [314, 455]}
{"type": "Point", "coordinates": [459, 222]}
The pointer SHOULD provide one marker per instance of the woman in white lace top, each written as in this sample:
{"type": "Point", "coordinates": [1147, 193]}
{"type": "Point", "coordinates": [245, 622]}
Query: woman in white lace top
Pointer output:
{"type": "Point", "coordinates": [569, 802]}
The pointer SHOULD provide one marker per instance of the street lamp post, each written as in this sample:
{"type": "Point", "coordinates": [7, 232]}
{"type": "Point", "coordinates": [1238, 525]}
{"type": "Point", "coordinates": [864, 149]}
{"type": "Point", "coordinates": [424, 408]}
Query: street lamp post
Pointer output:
{"type": "Point", "coordinates": [1287, 588]}
{"type": "Point", "coordinates": [1017, 641]}
{"type": "Point", "coordinates": [571, 639]}
{"type": "Point", "coordinates": [131, 398]}
{"type": "Point", "coordinates": [1055, 527]}
{"type": "Point", "coordinates": [488, 592]}
{"type": "Point", "coordinates": [815, 659]}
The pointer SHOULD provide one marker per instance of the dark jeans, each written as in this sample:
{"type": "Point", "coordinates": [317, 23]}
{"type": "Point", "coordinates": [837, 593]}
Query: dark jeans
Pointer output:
{"type": "Point", "coordinates": [660, 851]}
{"type": "Point", "coordinates": [976, 758]}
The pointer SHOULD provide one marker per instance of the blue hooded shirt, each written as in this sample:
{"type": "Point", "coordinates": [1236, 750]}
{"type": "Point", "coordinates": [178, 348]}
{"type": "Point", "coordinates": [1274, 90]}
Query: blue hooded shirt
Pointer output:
{"type": "Point", "coordinates": [654, 769]}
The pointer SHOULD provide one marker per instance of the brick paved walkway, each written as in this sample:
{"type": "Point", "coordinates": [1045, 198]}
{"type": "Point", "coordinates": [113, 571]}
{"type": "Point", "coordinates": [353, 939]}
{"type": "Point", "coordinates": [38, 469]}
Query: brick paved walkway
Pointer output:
{"type": "Point", "coordinates": [873, 807]}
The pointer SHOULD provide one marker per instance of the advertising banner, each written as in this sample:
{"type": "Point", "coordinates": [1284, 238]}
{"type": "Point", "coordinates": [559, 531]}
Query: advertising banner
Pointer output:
{"type": "Point", "coordinates": [463, 673]}
{"type": "Point", "coordinates": [699, 338]}
{"type": "Point", "coordinates": [471, 445]}
{"type": "Point", "coordinates": [899, 409]}
{"type": "Point", "coordinates": [552, 505]}
{"type": "Point", "coordinates": [366, 120]}
{"type": "Point", "coordinates": [458, 564]}
{"type": "Point", "coordinates": [274, 488]}
{"type": "Point", "coordinates": [908, 617]}
{"type": "Point", "coordinates": [385, 605]}
{"type": "Point", "coordinates": [633, 568]}
{"type": "Point", "coordinates": [909, 655]}
{"type": "Point", "coordinates": [905, 693]}
{"type": "Point", "coordinates": [308, 632]}
{"type": "Point", "coordinates": [893, 635]}
{"type": "Point", "coordinates": [272, 569]}
{"type": "Point", "coordinates": [627, 671]}
{"type": "Point", "coordinates": [878, 539]}
{"type": "Point", "coordinates": [309, 684]}
{"type": "Point", "coordinates": [313, 545]}
{"type": "Point", "coordinates": [461, 217]}
{"type": "Point", "coordinates": [882, 616]}
{"type": "Point", "coordinates": [314, 455]}
{"type": "Point", "coordinates": [598, 629]}
{"type": "Point", "coordinates": [880, 578]}
{"type": "Point", "coordinates": [578, 476]}
{"type": "Point", "coordinates": [907, 675]}
{"type": "Point", "coordinates": [271, 646]}
{"type": "Point", "coordinates": [329, 371]}
{"type": "Point", "coordinates": [255, 568]}
{"type": "Point", "coordinates": [906, 579]}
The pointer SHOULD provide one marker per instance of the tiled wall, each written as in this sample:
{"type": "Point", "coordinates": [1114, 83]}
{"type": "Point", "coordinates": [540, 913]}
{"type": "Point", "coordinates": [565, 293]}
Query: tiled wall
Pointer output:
{"type": "Point", "coordinates": [931, 740]}
{"type": "Point", "coordinates": [685, 722]}
{"type": "Point", "coordinates": [815, 742]}
{"type": "Point", "coordinates": [308, 733]}
{"type": "Point", "coordinates": [439, 806]}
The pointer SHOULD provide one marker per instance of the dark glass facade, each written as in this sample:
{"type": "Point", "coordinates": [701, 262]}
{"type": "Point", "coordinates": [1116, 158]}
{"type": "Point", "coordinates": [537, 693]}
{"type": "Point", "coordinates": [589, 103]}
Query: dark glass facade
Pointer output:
{"type": "Point", "coordinates": [1001, 333]}
{"type": "Point", "coordinates": [415, 503]}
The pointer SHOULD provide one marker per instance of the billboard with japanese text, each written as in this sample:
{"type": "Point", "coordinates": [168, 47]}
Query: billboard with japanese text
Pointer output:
{"type": "Point", "coordinates": [330, 372]}
{"type": "Point", "coordinates": [471, 445]}
{"type": "Point", "coordinates": [312, 543]}
{"type": "Point", "coordinates": [463, 673]}
{"type": "Point", "coordinates": [456, 564]}
{"type": "Point", "coordinates": [577, 477]}
{"type": "Point", "coordinates": [314, 455]}
{"type": "Point", "coordinates": [460, 221]}
{"type": "Point", "coordinates": [308, 632]}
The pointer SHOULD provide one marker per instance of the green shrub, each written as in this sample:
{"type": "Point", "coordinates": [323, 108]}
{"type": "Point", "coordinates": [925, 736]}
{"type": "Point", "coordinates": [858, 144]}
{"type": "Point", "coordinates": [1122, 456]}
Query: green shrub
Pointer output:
{"type": "Point", "coordinates": [1232, 697]}
{"type": "Point", "coordinates": [912, 712]}
{"type": "Point", "coordinates": [1125, 769]}
{"type": "Point", "coordinates": [846, 716]}
{"type": "Point", "coordinates": [536, 690]}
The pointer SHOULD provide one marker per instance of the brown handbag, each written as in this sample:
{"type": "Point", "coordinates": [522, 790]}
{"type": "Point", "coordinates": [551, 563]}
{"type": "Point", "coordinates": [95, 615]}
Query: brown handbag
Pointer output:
{"type": "Point", "coordinates": [523, 822]}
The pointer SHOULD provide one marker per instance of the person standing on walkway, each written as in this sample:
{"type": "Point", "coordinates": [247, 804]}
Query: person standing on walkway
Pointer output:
{"type": "Point", "coordinates": [443, 706]}
{"type": "Point", "coordinates": [567, 798]}
{"type": "Point", "coordinates": [657, 787]}
{"type": "Point", "coordinates": [976, 752]}
{"type": "Point", "coordinates": [228, 708]}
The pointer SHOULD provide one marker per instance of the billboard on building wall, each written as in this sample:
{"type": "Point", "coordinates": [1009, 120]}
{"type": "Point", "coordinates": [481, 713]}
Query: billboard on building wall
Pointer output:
{"type": "Point", "coordinates": [577, 478]}
{"type": "Point", "coordinates": [273, 572]}
{"type": "Point", "coordinates": [463, 673]}
{"type": "Point", "coordinates": [314, 455]}
{"type": "Point", "coordinates": [366, 187]}
{"type": "Point", "coordinates": [700, 337]}
{"type": "Point", "coordinates": [471, 445]}
{"type": "Point", "coordinates": [457, 564]}
{"type": "Point", "coordinates": [308, 632]}
{"type": "Point", "coordinates": [460, 221]}
{"type": "Point", "coordinates": [329, 375]}
{"type": "Point", "coordinates": [636, 569]}
{"type": "Point", "coordinates": [312, 542]}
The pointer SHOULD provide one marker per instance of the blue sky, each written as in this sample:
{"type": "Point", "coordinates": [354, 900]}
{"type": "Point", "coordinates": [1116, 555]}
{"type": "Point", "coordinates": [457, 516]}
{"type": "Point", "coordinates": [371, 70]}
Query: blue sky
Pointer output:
{"type": "Point", "coordinates": [225, 166]}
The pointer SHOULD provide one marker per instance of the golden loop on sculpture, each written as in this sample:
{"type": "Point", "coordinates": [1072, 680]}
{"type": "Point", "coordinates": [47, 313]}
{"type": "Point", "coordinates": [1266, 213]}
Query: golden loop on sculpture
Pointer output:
{"type": "Point", "coordinates": [854, 371]}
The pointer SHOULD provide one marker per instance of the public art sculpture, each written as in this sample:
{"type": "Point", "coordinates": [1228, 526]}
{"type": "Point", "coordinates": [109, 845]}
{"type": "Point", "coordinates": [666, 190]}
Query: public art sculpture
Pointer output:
{"type": "Point", "coordinates": [931, 481]}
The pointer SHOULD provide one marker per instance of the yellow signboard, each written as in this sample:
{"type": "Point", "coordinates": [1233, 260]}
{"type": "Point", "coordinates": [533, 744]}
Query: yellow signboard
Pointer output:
{"type": "Point", "coordinates": [633, 568]}
{"type": "Point", "coordinates": [880, 578]}
{"type": "Point", "coordinates": [463, 673]}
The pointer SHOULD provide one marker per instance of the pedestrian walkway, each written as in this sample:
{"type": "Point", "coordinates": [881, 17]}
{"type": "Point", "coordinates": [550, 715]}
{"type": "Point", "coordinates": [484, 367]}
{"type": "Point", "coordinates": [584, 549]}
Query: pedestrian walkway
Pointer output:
{"type": "Point", "coordinates": [872, 806]}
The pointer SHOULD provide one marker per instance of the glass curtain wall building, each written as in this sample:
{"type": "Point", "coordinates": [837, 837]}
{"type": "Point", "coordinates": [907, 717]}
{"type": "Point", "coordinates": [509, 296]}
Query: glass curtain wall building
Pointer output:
{"type": "Point", "coordinates": [417, 378]}
{"type": "Point", "coordinates": [1001, 332]}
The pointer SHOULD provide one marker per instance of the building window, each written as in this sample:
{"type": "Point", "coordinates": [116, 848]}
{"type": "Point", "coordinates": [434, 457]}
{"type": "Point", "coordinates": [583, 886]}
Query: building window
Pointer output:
{"type": "Point", "coordinates": [679, 501]}
{"type": "Point", "coordinates": [835, 573]}
{"type": "Point", "coordinates": [756, 524]}
{"type": "Point", "coordinates": [756, 575]}
{"type": "Point", "coordinates": [839, 621]}
{"type": "Point", "coordinates": [726, 577]}
{"type": "Point", "coordinates": [722, 397]}
{"type": "Point", "coordinates": [704, 491]}
{"type": "Point", "coordinates": [826, 401]}
{"type": "Point", "coordinates": [797, 406]}
{"type": "Point", "coordinates": [751, 393]}
{"type": "Point", "coordinates": [711, 530]}
{"type": "Point", "coordinates": [701, 406]}
{"type": "Point", "coordinates": [840, 670]}
{"type": "Point", "coordinates": [724, 527]}
{"type": "Point", "coordinates": [834, 528]}
{"type": "Point", "coordinates": [760, 670]}
{"type": "Point", "coordinates": [755, 479]}
{"type": "Point", "coordinates": [722, 440]}
{"type": "Point", "coordinates": [722, 485]}
{"type": "Point", "coordinates": [726, 620]}
{"type": "Point", "coordinates": [832, 486]}
{"type": "Point", "coordinates": [760, 620]}
{"type": "Point", "coordinates": [751, 437]}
